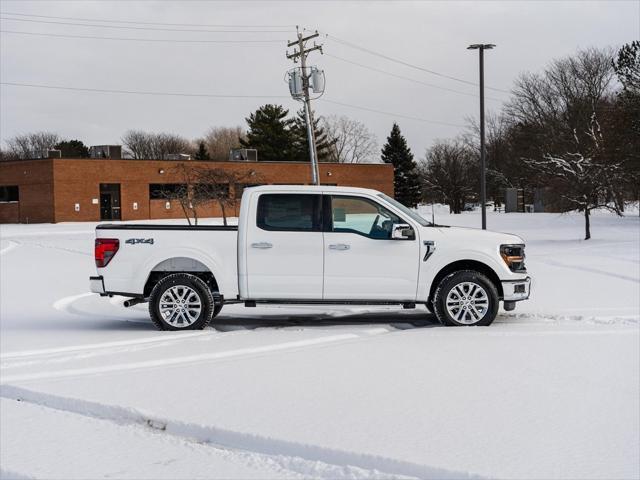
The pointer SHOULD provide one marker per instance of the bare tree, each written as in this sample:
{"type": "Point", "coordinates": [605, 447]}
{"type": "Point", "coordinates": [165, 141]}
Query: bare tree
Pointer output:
{"type": "Point", "coordinates": [558, 131]}
{"type": "Point", "coordinates": [215, 184]}
{"type": "Point", "coordinates": [137, 143]}
{"type": "Point", "coordinates": [187, 193]}
{"type": "Point", "coordinates": [352, 141]}
{"type": "Point", "coordinates": [448, 173]}
{"type": "Point", "coordinates": [201, 186]}
{"type": "Point", "coordinates": [584, 182]}
{"type": "Point", "coordinates": [220, 140]}
{"type": "Point", "coordinates": [165, 144]}
{"type": "Point", "coordinates": [503, 170]}
{"type": "Point", "coordinates": [148, 145]}
{"type": "Point", "coordinates": [32, 145]}
{"type": "Point", "coordinates": [7, 155]}
{"type": "Point", "coordinates": [558, 104]}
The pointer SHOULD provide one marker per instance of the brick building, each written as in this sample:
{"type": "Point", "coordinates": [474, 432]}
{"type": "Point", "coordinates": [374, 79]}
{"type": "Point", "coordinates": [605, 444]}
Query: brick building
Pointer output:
{"type": "Point", "coordinates": [76, 190]}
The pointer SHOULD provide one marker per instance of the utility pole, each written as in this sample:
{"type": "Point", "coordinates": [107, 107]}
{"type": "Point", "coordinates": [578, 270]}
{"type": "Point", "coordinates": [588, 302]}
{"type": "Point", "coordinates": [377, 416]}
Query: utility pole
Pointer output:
{"type": "Point", "coordinates": [483, 163]}
{"type": "Point", "coordinates": [301, 54]}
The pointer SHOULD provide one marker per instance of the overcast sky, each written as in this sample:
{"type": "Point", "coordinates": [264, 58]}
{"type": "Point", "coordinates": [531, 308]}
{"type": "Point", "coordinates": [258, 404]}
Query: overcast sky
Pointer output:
{"type": "Point", "coordinates": [430, 34]}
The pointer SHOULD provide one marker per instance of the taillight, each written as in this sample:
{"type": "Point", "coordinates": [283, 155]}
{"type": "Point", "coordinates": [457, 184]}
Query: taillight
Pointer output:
{"type": "Point", "coordinates": [105, 249]}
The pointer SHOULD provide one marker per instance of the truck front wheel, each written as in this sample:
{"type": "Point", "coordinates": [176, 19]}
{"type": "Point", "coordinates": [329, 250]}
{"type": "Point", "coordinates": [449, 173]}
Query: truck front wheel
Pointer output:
{"type": "Point", "coordinates": [466, 298]}
{"type": "Point", "coordinates": [181, 301]}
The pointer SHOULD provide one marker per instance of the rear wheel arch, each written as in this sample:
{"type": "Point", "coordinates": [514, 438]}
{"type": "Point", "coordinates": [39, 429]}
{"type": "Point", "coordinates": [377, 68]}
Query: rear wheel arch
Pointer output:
{"type": "Point", "coordinates": [187, 265]}
{"type": "Point", "coordinates": [465, 265]}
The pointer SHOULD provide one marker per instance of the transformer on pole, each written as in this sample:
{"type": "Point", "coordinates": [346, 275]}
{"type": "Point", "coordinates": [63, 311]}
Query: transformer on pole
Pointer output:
{"type": "Point", "coordinates": [300, 80]}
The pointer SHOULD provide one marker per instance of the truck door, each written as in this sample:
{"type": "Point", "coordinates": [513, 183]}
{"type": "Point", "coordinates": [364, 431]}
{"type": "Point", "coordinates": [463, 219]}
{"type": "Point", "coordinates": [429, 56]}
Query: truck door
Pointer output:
{"type": "Point", "coordinates": [362, 261]}
{"type": "Point", "coordinates": [285, 247]}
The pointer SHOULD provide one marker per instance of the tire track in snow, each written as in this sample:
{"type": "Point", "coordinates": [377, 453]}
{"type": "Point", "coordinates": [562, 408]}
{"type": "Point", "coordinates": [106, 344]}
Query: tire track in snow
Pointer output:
{"type": "Point", "coordinates": [554, 263]}
{"type": "Point", "coordinates": [187, 359]}
{"type": "Point", "coordinates": [308, 460]}
{"type": "Point", "coordinates": [68, 305]}
{"type": "Point", "coordinates": [517, 319]}
{"type": "Point", "coordinates": [12, 244]}
{"type": "Point", "coordinates": [6, 474]}
{"type": "Point", "coordinates": [162, 337]}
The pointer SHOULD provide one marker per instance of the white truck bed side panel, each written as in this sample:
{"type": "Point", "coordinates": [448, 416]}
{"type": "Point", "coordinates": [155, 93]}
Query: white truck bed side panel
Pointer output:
{"type": "Point", "coordinates": [129, 270]}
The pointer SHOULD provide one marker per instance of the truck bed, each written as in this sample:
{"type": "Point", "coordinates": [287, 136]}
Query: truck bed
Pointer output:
{"type": "Point", "coordinates": [145, 248]}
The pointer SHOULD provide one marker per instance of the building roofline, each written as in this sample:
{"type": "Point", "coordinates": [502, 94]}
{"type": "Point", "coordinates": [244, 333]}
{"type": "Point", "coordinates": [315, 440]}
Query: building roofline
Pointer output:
{"type": "Point", "coordinates": [240, 162]}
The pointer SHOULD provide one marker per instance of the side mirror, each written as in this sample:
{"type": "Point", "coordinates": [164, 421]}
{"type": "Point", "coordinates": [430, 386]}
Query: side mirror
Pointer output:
{"type": "Point", "coordinates": [402, 231]}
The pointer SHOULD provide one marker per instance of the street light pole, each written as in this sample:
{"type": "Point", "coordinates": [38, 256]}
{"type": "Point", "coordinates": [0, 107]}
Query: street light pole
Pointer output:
{"type": "Point", "coordinates": [483, 163]}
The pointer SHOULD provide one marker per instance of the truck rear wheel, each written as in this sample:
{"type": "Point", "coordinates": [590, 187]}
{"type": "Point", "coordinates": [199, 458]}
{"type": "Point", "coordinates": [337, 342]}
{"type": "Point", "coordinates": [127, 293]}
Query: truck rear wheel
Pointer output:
{"type": "Point", "coordinates": [466, 298]}
{"type": "Point", "coordinates": [181, 301]}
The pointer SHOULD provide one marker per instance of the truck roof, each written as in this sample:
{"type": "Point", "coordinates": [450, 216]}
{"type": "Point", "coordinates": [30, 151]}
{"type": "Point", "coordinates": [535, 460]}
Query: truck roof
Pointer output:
{"type": "Point", "coordinates": [318, 188]}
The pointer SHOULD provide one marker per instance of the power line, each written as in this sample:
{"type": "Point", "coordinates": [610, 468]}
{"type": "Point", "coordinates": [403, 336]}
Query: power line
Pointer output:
{"type": "Point", "coordinates": [407, 64]}
{"type": "Point", "coordinates": [138, 92]}
{"type": "Point", "coordinates": [391, 114]}
{"type": "Point", "coordinates": [137, 22]}
{"type": "Point", "coordinates": [408, 78]}
{"type": "Point", "coordinates": [165, 40]}
{"type": "Point", "coordinates": [140, 28]}
{"type": "Point", "coordinates": [207, 95]}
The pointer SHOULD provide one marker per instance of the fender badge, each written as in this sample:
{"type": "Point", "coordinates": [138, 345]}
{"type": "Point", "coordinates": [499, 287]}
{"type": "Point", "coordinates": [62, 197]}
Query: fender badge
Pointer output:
{"type": "Point", "coordinates": [135, 241]}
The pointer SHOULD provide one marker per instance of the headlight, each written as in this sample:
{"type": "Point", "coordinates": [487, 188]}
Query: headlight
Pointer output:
{"type": "Point", "coordinates": [513, 256]}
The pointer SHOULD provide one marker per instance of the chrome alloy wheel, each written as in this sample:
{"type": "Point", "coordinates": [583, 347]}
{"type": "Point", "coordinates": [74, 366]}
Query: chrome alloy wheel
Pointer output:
{"type": "Point", "coordinates": [180, 306]}
{"type": "Point", "coordinates": [467, 303]}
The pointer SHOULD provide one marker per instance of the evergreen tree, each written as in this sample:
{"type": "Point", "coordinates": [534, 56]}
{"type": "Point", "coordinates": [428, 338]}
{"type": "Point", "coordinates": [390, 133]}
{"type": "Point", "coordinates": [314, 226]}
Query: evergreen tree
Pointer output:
{"type": "Point", "coordinates": [72, 149]}
{"type": "Point", "coordinates": [301, 145]}
{"type": "Point", "coordinates": [406, 182]}
{"type": "Point", "coordinates": [627, 66]}
{"type": "Point", "coordinates": [202, 153]}
{"type": "Point", "coordinates": [270, 133]}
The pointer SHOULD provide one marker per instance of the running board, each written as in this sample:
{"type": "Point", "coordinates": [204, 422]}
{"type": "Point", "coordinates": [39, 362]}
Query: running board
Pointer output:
{"type": "Point", "coordinates": [405, 304]}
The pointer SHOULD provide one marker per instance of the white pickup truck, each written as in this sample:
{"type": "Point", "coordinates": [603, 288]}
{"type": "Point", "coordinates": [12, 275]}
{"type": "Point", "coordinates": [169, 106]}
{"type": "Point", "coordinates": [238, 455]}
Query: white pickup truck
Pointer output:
{"type": "Point", "coordinates": [311, 245]}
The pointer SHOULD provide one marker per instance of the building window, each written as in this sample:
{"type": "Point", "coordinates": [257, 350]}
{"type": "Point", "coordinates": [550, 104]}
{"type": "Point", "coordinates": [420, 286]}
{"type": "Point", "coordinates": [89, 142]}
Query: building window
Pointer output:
{"type": "Point", "coordinates": [162, 191]}
{"type": "Point", "coordinates": [9, 194]}
{"type": "Point", "coordinates": [212, 190]}
{"type": "Point", "coordinates": [289, 212]}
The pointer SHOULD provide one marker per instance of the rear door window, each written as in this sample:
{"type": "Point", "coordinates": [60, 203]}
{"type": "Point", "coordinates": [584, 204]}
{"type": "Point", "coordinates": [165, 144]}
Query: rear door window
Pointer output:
{"type": "Point", "coordinates": [289, 212]}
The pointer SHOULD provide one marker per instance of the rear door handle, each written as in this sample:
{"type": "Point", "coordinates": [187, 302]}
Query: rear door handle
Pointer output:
{"type": "Point", "coordinates": [261, 245]}
{"type": "Point", "coordinates": [339, 246]}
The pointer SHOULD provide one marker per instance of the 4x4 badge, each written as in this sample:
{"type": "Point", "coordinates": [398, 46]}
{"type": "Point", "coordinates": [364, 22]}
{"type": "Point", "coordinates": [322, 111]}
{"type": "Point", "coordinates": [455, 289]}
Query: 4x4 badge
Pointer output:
{"type": "Point", "coordinates": [134, 241]}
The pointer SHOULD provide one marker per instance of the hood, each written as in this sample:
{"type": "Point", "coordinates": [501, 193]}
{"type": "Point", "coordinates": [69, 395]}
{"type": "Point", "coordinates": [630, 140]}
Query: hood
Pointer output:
{"type": "Point", "coordinates": [477, 234]}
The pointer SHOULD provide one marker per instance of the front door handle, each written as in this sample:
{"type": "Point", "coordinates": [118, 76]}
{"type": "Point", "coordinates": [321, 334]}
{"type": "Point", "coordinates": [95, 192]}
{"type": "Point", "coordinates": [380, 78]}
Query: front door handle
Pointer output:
{"type": "Point", "coordinates": [339, 246]}
{"type": "Point", "coordinates": [261, 245]}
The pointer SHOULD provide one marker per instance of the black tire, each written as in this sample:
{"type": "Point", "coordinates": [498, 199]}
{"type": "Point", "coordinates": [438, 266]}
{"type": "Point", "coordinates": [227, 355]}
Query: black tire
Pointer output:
{"type": "Point", "coordinates": [202, 295]}
{"type": "Point", "coordinates": [464, 316]}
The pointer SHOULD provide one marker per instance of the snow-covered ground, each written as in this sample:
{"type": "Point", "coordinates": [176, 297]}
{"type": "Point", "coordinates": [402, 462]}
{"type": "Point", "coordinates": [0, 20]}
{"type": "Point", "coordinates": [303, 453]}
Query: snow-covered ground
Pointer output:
{"type": "Point", "coordinates": [90, 389]}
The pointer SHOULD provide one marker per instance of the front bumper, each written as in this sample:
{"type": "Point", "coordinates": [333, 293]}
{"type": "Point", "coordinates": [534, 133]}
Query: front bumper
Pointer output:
{"type": "Point", "coordinates": [96, 285]}
{"type": "Point", "coordinates": [516, 290]}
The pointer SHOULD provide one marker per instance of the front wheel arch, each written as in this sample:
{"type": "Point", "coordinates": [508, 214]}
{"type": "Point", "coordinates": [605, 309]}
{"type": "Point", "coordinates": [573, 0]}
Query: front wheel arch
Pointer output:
{"type": "Point", "coordinates": [474, 265]}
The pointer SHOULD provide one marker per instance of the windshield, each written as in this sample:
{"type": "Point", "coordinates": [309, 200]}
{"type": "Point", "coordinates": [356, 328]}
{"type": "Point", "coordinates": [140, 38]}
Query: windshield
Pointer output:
{"type": "Point", "coordinates": [405, 210]}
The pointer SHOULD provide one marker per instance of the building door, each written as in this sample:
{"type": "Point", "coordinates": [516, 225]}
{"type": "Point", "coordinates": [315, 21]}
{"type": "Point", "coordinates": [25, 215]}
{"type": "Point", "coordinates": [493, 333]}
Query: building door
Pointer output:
{"type": "Point", "coordinates": [110, 201]}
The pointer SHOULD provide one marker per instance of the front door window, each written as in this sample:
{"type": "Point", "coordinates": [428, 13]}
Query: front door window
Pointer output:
{"type": "Point", "coordinates": [363, 217]}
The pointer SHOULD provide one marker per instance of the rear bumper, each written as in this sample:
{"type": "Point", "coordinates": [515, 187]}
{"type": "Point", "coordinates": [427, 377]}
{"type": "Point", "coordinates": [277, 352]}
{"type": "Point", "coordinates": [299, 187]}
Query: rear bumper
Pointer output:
{"type": "Point", "coordinates": [516, 290]}
{"type": "Point", "coordinates": [96, 285]}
